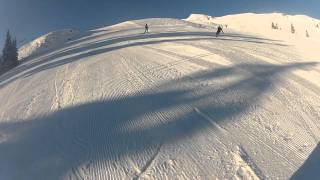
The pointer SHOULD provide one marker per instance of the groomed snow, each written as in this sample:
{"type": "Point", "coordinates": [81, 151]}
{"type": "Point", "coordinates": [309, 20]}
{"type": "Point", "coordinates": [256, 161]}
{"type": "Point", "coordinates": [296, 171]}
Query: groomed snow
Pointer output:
{"type": "Point", "coordinates": [178, 103]}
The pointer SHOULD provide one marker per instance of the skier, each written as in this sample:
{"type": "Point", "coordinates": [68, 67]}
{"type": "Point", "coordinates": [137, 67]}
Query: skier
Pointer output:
{"type": "Point", "coordinates": [219, 31]}
{"type": "Point", "coordinates": [146, 29]}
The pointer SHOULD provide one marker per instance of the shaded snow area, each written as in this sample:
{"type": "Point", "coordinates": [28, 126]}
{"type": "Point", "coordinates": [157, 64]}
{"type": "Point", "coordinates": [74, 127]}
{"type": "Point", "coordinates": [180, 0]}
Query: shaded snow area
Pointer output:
{"type": "Point", "coordinates": [177, 103]}
{"type": "Point", "coordinates": [47, 42]}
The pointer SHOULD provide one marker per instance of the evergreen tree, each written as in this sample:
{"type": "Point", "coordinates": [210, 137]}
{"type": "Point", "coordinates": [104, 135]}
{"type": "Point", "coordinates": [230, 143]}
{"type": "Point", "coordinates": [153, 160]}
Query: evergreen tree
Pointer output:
{"type": "Point", "coordinates": [6, 48]}
{"type": "Point", "coordinates": [15, 52]}
{"type": "Point", "coordinates": [10, 52]}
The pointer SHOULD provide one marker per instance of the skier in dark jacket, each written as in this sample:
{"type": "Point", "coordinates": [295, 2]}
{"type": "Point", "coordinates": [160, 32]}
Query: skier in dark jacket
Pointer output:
{"type": "Point", "coordinates": [219, 31]}
{"type": "Point", "coordinates": [146, 28]}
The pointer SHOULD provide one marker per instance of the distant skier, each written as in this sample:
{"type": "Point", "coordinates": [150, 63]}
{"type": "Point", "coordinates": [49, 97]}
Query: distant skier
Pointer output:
{"type": "Point", "coordinates": [219, 31]}
{"type": "Point", "coordinates": [146, 29]}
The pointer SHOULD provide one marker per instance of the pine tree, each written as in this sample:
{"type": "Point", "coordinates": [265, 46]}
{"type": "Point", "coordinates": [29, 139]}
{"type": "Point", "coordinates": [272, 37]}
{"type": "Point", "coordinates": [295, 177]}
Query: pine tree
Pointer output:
{"type": "Point", "coordinates": [292, 29]}
{"type": "Point", "coordinates": [10, 52]}
{"type": "Point", "coordinates": [15, 52]}
{"type": "Point", "coordinates": [6, 49]}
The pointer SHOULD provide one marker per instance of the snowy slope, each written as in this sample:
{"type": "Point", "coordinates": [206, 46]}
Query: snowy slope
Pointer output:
{"type": "Point", "coordinates": [177, 103]}
{"type": "Point", "coordinates": [260, 25]}
{"type": "Point", "coordinates": [201, 19]}
{"type": "Point", "coordinates": [47, 42]}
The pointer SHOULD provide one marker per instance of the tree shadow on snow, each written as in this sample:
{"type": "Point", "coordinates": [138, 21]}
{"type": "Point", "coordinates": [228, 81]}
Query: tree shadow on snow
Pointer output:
{"type": "Point", "coordinates": [72, 54]}
{"type": "Point", "coordinates": [75, 138]}
{"type": "Point", "coordinates": [311, 167]}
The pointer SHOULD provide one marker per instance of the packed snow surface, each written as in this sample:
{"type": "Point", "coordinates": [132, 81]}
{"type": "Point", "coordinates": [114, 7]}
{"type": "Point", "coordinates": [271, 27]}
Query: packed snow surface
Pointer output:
{"type": "Point", "coordinates": [178, 103]}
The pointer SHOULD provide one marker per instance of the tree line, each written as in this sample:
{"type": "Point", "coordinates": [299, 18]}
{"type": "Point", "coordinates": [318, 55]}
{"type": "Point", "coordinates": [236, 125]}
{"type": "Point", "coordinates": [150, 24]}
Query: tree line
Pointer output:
{"type": "Point", "coordinates": [292, 28]}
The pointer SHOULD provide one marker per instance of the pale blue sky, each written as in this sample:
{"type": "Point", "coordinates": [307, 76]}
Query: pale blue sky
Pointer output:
{"type": "Point", "coordinates": [28, 19]}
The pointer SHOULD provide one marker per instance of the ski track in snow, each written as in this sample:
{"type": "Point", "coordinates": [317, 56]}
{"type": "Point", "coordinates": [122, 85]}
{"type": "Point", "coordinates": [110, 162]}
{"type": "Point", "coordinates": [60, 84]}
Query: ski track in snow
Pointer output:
{"type": "Point", "coordinates": [169, 106]}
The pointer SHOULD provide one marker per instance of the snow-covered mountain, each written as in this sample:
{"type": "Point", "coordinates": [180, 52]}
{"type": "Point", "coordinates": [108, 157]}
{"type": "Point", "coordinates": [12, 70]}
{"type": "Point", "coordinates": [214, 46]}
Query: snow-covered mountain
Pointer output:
{"type": "Point", "coordinates": [201, 19]}
{"type": "Point", "coordinates": [47, 42]}
{"type": "Point", "coordinates": [177, 103]}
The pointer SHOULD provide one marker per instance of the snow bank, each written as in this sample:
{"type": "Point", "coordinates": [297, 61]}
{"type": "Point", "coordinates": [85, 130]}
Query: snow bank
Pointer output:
{"type": "Point", "coordinates": [47, 42]}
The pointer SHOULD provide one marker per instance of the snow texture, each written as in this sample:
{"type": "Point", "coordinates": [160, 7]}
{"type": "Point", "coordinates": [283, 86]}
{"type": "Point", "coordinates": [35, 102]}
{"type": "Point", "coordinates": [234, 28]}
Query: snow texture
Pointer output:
{"type": "Point", "coordinates": [178, 103]}
{"type": "Point", "coordinates": [47, 42]}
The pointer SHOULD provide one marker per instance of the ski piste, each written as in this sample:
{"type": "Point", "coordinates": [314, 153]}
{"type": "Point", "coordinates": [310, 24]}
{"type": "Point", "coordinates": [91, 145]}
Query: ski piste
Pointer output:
{"type": "Point", "coordinates": [176, 104]}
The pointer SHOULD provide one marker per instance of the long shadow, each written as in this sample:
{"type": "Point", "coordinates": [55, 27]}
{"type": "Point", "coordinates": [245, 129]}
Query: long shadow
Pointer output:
{"type": "Point", "coordinates": [73, 40]}
{"type": "Point", "coordinates": [133, 37]}
{"type": "Point", "coordinates": [108, 49]}
{"type": "Point", "coordinates": [311, 167]}
{"type": "Point", "coordinates": [90, 35]}
{"type": "Point", "coordinates": [51, 62]}
{"type": "Point", "coordinates": [108, 131]}
{"type": "Point", "coordinates": [90, 49]}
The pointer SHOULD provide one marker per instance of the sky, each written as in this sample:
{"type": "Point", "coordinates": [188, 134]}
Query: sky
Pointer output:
{"type": "Point", "coordinates": [28, 19]}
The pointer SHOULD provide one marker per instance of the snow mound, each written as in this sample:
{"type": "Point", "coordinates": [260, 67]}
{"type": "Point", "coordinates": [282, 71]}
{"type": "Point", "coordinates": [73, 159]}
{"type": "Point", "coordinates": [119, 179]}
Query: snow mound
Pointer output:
{"type": "Point", "coordinates": [47, 42]}
{"type": "Point", "coordinates": [201, 19]}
